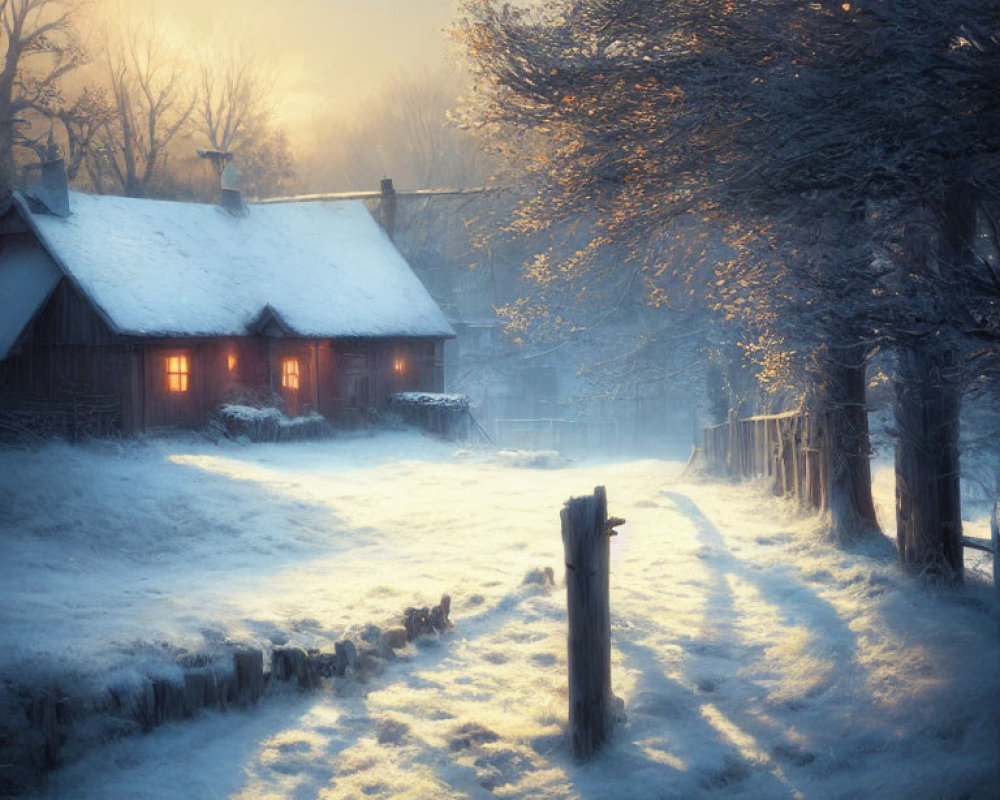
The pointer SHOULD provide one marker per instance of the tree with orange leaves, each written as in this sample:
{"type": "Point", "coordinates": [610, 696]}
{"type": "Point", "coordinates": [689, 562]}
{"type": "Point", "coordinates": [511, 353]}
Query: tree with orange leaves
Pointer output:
{"type": "Point", "coordinates": [636, 116]}
{"type": "Point", "coordinates": [828, 135]}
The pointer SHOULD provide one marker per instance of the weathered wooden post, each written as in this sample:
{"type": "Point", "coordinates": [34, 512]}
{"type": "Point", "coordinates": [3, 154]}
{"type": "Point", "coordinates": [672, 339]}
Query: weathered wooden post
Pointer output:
{"type": "Point", "coordinates": [585, 534]}
{"type": "Point", "coordinates": [995, 541]}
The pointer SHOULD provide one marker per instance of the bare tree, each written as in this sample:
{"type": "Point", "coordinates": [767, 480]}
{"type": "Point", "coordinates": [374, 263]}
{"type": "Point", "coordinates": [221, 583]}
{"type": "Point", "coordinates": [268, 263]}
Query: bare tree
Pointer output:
{"type": "Point", "coordinates": [150, 104]}
{"type": "Point", "coordinates": [266, 163]}
{"type": "Point", "coordinates": [235, 118]}
{"type": "Point", "coordinates": [406, 133]}
{"type": "Point", "coordinates": [82, 121]}
{"type": "Point", "coordinates": [39, 47]}
{"type": "Point", "coordinates": [233, 100]}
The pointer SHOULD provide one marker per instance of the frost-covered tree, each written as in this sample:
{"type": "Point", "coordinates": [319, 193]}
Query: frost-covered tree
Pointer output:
{"type": "Point", "coordinates": [919, 131]}
{"type": "Point", "coordinates": [886, 114]}
{"type": "Point", "coordinates": [637, 113]}
{"type": "Point", "coordinates": [827, 125]}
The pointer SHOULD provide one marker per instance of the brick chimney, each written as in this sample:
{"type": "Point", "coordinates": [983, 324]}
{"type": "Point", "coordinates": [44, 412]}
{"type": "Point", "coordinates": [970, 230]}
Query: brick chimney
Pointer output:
{"type": "Point", "coordinates": [52, 190]}
{"type": "Point", "coordinates": [388, 205]}
{"type": "Point", "coordinates": [229, 176]}
{"type": "Point", "coordinates": [232, 197]}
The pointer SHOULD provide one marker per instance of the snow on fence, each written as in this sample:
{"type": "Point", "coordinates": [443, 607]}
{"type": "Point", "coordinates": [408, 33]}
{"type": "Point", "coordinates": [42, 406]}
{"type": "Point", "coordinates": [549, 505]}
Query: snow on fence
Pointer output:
{"type": "Point", "coordinates": [39, 725]}
{"type": "Point", "coordinates": [446, 415]}
{"type": "Point", "coordinates": [270, 424]}
{"type": "Point", "coordinates": [790, 448]}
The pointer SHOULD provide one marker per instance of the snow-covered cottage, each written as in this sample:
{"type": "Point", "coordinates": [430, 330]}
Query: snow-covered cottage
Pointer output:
{"type": "Point", "coordinates": [167, 309]}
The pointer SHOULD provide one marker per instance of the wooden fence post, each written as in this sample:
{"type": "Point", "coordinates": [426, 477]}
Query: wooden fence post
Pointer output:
{"type": "Point", "coordinates": [995, 541]}
{"type": "Point", "coordinates": [585, 535]}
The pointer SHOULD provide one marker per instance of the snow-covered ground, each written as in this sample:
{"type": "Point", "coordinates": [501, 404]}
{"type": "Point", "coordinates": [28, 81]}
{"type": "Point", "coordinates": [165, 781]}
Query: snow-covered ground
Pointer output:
{"type": "Point", "coordinates": [754, 659]}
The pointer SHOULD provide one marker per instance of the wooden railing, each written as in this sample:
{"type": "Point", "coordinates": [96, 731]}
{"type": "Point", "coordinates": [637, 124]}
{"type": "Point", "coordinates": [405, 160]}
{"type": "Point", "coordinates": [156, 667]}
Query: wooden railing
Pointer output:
{"type": "Point", "coordinates": [991, 546]}
{"type": "Point", "coordinates": [71, 415]}
{"type": "Point", "coordinates": [790, 448]}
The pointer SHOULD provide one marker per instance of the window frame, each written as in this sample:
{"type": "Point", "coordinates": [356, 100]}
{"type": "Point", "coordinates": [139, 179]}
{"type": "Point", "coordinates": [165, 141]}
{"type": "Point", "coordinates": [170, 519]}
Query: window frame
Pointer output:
{"type": "Point", "coordinates": [290, 378]}
{"type": "Point", "coordinates": [178, 373]}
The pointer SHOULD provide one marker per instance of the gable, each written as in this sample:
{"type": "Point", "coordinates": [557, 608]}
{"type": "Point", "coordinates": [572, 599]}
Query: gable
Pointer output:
{"type": "Point", "coordinates": [269, 323]}
{"type": "Point", "coordinates": [27, 278]}
{"type": "Point", "coordinates": [67, 317]}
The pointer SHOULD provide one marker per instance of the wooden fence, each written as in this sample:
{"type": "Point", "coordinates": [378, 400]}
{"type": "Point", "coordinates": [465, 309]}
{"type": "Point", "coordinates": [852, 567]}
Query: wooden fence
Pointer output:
{"type": "Point", "coordinates": [991, 546]}
{"type": "Point", "coordinates": [73, 416]}
{"type": "Point", "coordinates": [790, 448]}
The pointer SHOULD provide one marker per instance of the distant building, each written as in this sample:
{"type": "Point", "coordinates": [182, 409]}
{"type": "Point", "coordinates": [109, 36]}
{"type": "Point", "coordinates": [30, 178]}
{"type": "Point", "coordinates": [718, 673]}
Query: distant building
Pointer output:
{"type": "Point", "coordinates": [158, 311]}
{"type": "Point", "coordinates": [581, 390]}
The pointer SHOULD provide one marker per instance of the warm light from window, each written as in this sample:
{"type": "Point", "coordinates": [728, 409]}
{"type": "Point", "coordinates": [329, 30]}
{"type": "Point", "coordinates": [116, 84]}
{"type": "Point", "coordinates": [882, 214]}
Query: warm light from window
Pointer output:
{"type": "Point", "coordinates": [177, 374]}
{"type": "Point", "coordinates": [231, 362]}
{"type": "Point", "coordinates": [399, 365]}
{"type": "Point", "coordinates": [290, 373]}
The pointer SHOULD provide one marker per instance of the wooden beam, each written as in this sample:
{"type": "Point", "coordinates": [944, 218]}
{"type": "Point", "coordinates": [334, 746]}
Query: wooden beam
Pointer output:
{"type": "Point", "coordinates": [974, 543]}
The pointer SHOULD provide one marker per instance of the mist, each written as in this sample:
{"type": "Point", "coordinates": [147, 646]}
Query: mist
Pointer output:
{"type": "Point", "coordinates": [329, 55]}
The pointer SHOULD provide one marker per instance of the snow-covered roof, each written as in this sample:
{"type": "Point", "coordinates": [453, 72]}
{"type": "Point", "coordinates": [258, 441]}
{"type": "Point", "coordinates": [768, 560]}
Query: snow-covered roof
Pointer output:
{"type": "Point", "coordinates": [156, 267]}
{"type": "Point", "coordinates": [27, 276]}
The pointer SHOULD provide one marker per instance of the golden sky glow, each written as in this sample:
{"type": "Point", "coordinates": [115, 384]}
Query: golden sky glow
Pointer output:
{"type": "Point", "coordinates": [329, 55]}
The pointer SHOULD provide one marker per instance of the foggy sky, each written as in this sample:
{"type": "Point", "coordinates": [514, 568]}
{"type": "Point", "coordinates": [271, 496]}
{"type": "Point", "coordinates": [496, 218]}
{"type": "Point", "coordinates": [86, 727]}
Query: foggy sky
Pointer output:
{"type": "Point", "coordinates": [330, 55]}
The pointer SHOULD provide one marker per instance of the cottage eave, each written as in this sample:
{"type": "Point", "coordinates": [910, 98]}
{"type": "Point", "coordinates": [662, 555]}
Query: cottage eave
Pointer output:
{"type": "Point", "coordinates": [28, 217]}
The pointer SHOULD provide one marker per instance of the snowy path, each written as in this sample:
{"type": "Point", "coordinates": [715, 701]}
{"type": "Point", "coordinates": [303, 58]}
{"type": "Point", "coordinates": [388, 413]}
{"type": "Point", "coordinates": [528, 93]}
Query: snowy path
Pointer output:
{"type": "Point", "coordinates": [755, 661]}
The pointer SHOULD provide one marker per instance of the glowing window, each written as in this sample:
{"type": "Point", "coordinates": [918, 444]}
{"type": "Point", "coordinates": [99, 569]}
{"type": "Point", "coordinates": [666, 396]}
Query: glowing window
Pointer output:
{"type": "Point", "coordinates": [290, 373]}
{"type": "Point", "coordinates": [231, 362]}
{"type": "Point", "coordinates": [399, 365]}
{"type": "Point", "coordinates": [177, 374]}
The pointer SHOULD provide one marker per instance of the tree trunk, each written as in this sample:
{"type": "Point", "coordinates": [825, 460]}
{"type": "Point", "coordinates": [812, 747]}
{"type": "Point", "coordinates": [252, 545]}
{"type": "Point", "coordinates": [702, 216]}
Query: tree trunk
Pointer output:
{"type": "Point", "coordinates": [718, 397]}
{"type": "Point", "coordinates": [929, 387]}
{"type": "Point", "coordinates": [852, 509]}
{"type": "Point", "coordinates": [928, 502]}
{"type": "Point", "coordinates": [7, 167]}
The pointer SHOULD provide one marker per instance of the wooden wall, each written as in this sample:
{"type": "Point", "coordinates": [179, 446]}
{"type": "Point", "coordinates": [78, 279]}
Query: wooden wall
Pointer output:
{"type": "Point", "coordinates": [69, 349]}
{"type": "Point", "coordinates": [69, 353]}
{"type": "Point", "coordinates": [340, 379]}
{"type": "Point", "coordinates": [405, 365]}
